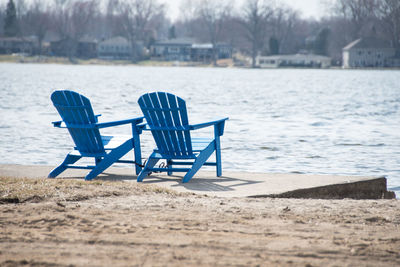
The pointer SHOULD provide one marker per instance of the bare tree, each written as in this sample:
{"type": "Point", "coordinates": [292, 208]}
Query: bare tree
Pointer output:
{"type": "Point", "coordinates": [338, 38]}
{"type": "Point", "coordinates": [112, 22]}
{"type": "Point", "coordinates": [21, 6]}
{"type": "Point", "coordinates": [358, 13]}
{"type": "Point", "coordinates": [212, 15]}
{"type": "Point", "coordinates": [255, 19]}
{"type": "Point", "coordinates": [389, 14]}
{"type": "Point", "coordinates": [282, 24]}
{"type": "Point", "coordinates": [188, 24]}
{"type": "Point", "coordinates": [187, 10]}
{"type": "Point", "coordinates": [135, 18]}
{"type": "Point", "coordinates": [82, 14]}
{"type": "Point", "coordinates": [2, 17]}
{"type": "Point", "coordinates": [60, 18]}
{"type": "Point", "coordinates": [72, 20]}
{"type": "Point", "coordinates": [37, 21]}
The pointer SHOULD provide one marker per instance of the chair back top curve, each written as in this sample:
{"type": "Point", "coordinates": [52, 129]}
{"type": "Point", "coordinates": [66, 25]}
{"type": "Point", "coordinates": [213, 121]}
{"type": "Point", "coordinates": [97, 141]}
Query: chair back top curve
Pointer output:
{"type": "Point", "coordinates": [166, 116]}
{"type": "Point", "coordinates": [77, 113]}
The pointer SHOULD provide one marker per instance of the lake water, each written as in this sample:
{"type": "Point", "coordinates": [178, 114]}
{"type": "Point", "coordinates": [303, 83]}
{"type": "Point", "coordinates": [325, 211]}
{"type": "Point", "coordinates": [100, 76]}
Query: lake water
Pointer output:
{"type": "Point", "coordinates": [344, 122]}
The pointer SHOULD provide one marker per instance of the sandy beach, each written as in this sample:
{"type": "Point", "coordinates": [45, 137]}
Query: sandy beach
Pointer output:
{"type": "Point", "coordinates": [69, 222]}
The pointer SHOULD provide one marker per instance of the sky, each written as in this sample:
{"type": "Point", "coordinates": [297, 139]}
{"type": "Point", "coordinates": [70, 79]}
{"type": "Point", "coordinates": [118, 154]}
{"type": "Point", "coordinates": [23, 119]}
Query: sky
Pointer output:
{"type": "Point", "coordinates": [307, 8]}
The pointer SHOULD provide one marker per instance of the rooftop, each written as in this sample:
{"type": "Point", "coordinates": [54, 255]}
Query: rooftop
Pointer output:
{"type": "Point", "coordinates": [177, 41]}
{"type": "Point", "coordinates": [368, 42]}
{"type": "Point", "coordinates": [115, 40]}
{"type": "Point", "coordinates": [297, 56]}
{"type": "Point", "coordinates": [202, 46]}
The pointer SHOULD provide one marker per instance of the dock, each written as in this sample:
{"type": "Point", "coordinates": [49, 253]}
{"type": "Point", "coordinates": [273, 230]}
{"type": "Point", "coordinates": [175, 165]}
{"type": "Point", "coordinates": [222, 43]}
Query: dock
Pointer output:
{"type": "Point", "coordinates": [234, 184]}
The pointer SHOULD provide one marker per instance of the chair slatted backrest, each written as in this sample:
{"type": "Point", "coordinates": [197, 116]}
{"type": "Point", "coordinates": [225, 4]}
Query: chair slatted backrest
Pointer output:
{"type": "Point", "coordinates": [76, 110]}
{"type": "Point", "coordinates": [167, 118]}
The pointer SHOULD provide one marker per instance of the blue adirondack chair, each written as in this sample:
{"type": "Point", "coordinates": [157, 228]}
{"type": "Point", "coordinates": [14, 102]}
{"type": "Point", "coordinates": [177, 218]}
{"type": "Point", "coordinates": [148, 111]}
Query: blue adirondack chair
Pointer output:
{"type": "Point", "coordinates": [167, 119]}
{"type": "Point", "coordinates": [78, 117]}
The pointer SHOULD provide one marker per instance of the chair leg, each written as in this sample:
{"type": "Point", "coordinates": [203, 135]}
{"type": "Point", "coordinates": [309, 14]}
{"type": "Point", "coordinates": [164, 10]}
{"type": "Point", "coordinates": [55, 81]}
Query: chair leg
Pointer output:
{"type": "Point", "coordinates": [69, 159]}
{"type": "Point", "coordinates": [218, 156]}
{"type": "Point", "coordinates": [200, 160]}
{"type": "Point", "coordinates": [97, 160]}
{"type": "Point", "coordinates": [138, 154]}
{"type": "Point", "coordinates": [169, 166]}
{"type": "Point", "coordinates": [147, 168]}
{"type": "Point", "coordinates": [110, 159]}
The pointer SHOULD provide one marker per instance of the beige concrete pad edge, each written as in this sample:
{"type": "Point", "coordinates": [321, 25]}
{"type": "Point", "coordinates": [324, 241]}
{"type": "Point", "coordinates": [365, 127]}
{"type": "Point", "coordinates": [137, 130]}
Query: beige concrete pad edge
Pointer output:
{"type": "Point", "coordinates": [233, 184]}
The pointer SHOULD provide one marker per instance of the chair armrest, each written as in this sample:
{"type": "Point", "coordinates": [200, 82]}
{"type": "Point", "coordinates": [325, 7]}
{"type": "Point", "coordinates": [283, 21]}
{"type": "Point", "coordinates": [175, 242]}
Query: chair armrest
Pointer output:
{"type": "Point", "coordinates": [206, 124]}
{"type": "Point", "coordinates": [59, 124]}
{"type": "Point", "coordinates": [62, 124]}
{"type": "Point", "coordinates": [146, 127]}
{"type": "Point", "coordinates": [218, 124]}
{"type": "Point", "coordinates": [121, 122]}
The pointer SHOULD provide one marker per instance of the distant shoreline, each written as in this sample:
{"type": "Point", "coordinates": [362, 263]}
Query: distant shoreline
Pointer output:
{"type": "Point", "coordinates": [96, 61]}
{"type": "Point", "coordinates": [150, 63]}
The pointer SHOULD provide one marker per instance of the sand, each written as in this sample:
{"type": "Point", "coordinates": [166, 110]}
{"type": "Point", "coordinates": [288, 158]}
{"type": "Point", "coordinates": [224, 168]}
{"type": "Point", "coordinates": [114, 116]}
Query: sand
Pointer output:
{"type": "Point", "coordinates": [73, 223]}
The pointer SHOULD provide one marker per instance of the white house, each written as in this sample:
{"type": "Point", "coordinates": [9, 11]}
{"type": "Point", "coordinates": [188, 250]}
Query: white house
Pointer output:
{"type": "Point", "coordinates": [297, 60]}
{"type": "Point", "coordinates": [369, 52]}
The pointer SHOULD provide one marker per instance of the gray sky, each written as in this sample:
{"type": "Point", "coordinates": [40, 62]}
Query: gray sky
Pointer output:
{"type": "Point", "coordinates": [307, 8]}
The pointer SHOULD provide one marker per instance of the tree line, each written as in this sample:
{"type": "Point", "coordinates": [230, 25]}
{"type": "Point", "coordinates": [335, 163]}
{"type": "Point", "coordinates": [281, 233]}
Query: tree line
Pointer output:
{"type": "Point", "coordinates": [256, 27]}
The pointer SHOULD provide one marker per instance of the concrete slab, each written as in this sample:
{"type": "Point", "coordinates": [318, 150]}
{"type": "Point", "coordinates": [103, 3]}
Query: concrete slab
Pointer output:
{"type": "Point", "coordinates": [236, 184]}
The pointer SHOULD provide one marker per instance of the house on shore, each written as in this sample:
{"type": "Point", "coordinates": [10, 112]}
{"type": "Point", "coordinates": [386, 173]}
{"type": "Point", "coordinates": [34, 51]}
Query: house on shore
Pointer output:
{"type": "Point", "coordinates": [174, 49]}
{"type": "Point", "coordinates": [61, 47]}
{"type": "Point", "coordinates": [369, 53]}
{"type": "Point", "coordinates": [186, 49]}
{"type": "Point", "coordinates": [296, 60]}
{"type": "Point", "coordinates": [114, 48]}
{"type": "Point", "coordinates": [204, 52]}
{"type": "Point", "coordinates": [9, 45]}
{"type": "Point", "coordinates": [85, 47]}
